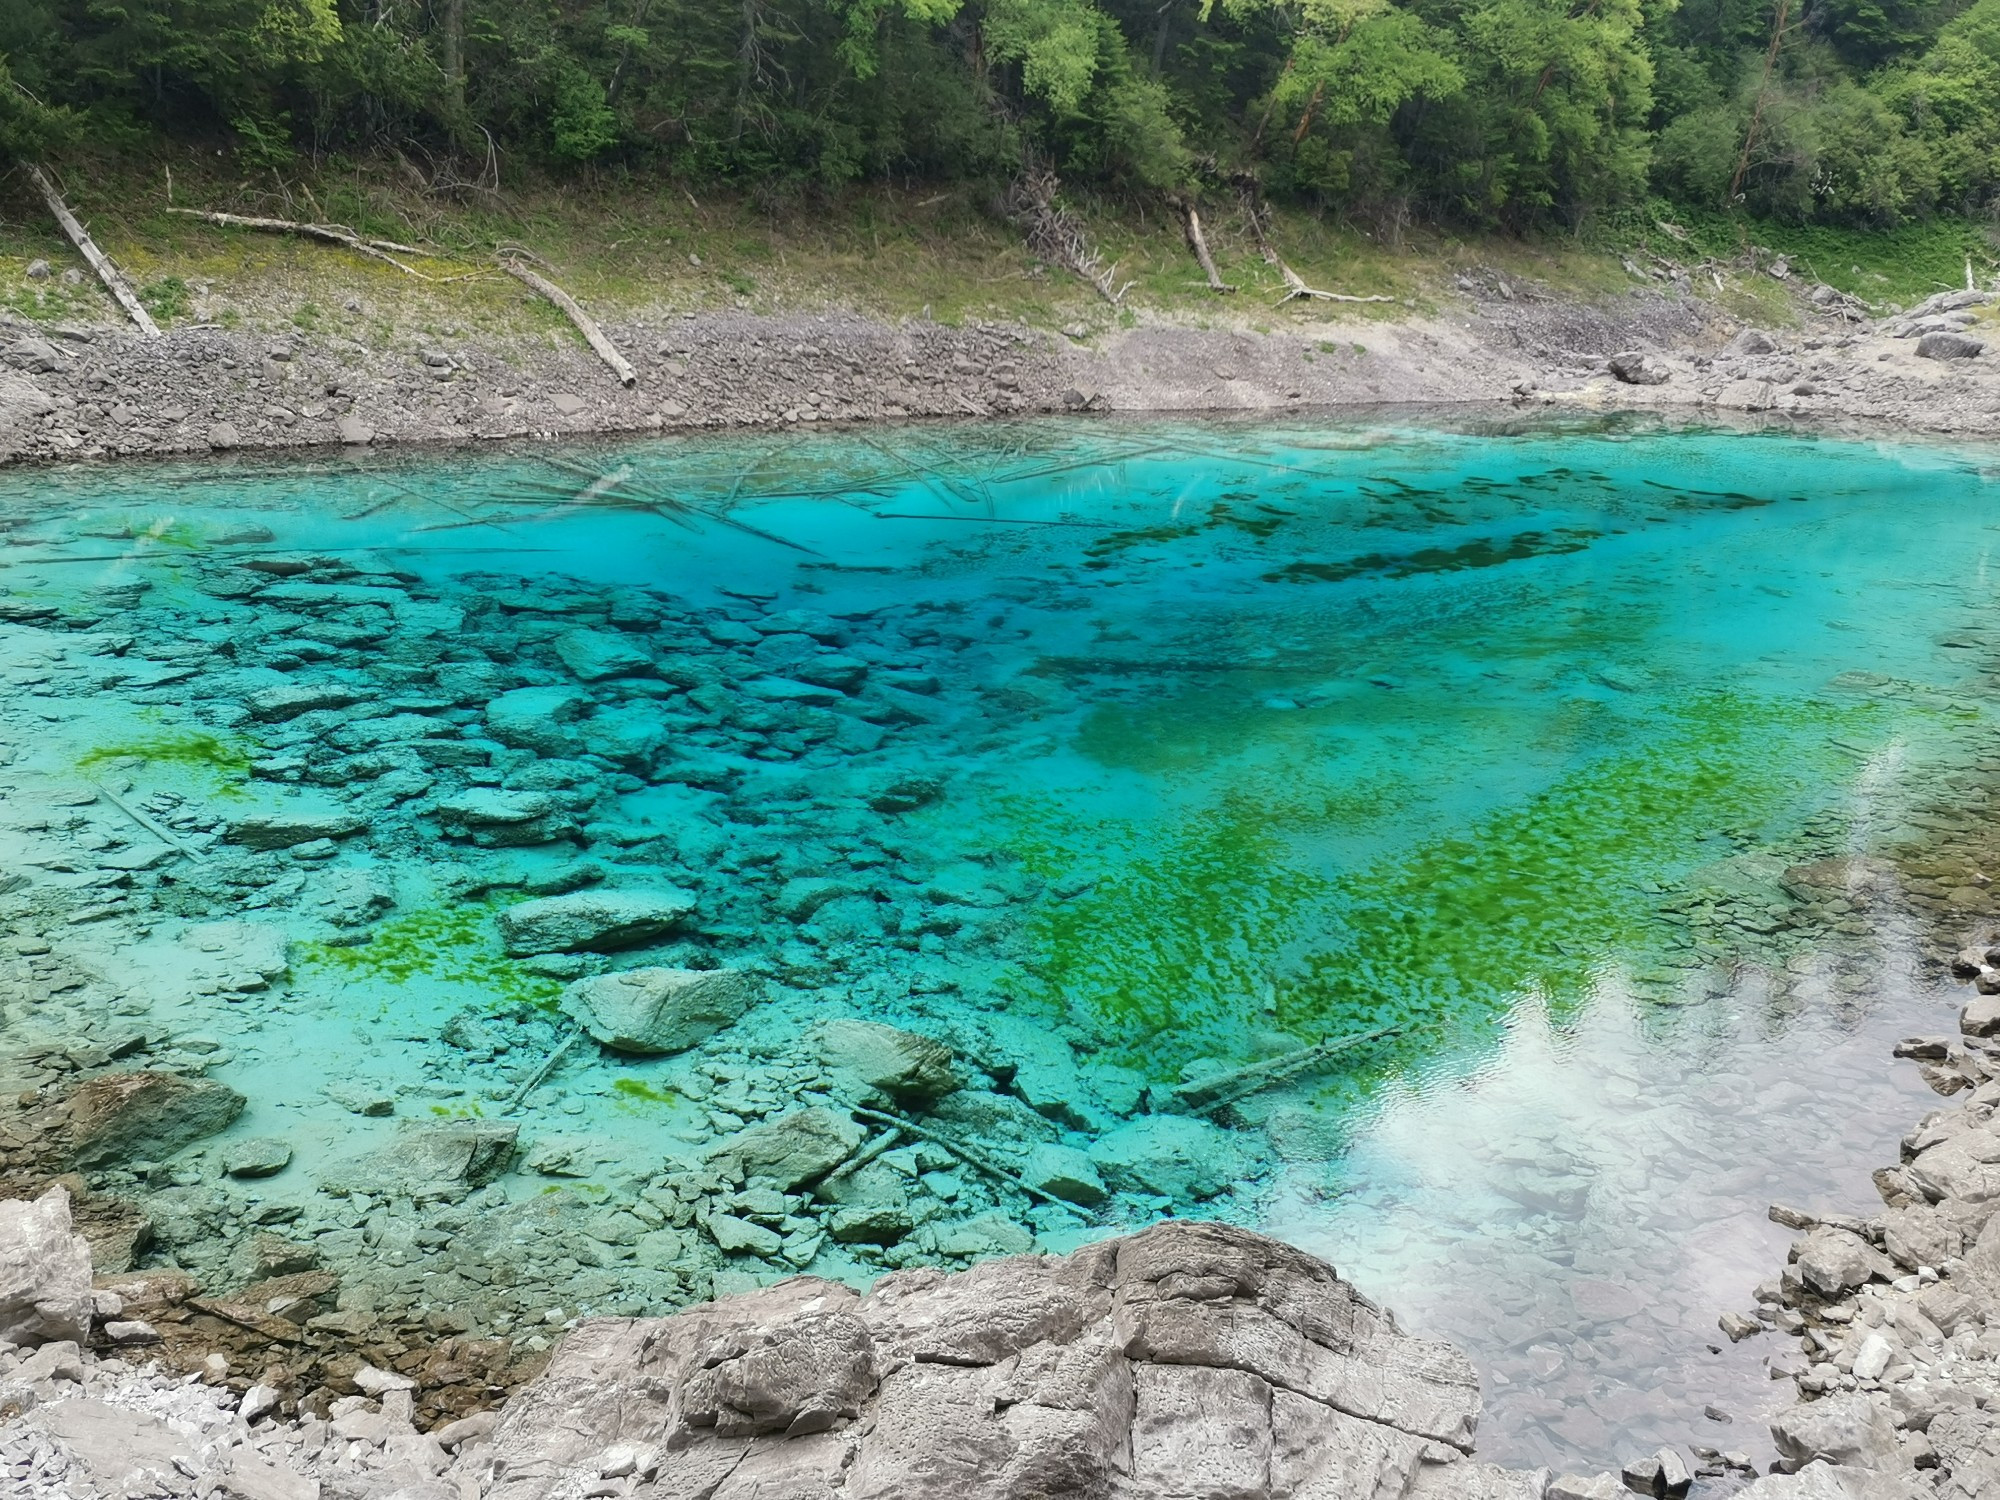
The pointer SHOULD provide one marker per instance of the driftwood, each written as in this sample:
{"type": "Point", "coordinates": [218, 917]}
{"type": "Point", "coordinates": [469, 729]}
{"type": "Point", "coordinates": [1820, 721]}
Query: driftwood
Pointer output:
{"type": "Point", "coordinates": [1198, 242]}
{"type": "Point", "coordinates": [548, 1066]}
{"type": "Point", "coordinates": [1213, 1092]}
{"type": "Point", "coordinates": [332, 234]}
{"type": "Point", "coordinates": [1295, 285]}
{"type": "Point", "coordinates": [107, 273]}
{"type": "Point", "coordinates": [145, 821]}
{"type": "Point", "coordinates": [1057, 235]}
{"type": "Point", "coordinates": [592, 334]}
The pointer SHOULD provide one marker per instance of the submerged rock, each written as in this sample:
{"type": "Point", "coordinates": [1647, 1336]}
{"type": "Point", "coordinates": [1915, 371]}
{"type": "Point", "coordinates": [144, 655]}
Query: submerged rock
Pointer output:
{"type": "Point", "coordinates": [793, 1149]}
{"type": "Point", "coordinates": [1189, 1360]}
{"type": "Point", "coordinates": [1174, 1156]}
{"type": "Point", "coordinates": [119, 1117]}
{"type": "Point", "coordinates": [655, 1011]}
{"type": "Point", "coordinates": [599, 921]}
{"type": "Point", "coordinates": [910, 1069]}
{"type": "Point", "coordinates": [44, 1272]}
{"type": "Point", "coordinates": [284, 830]}
{"type": "Point", "coordinates": [430, 1159]}
{"type": "Point", "coordinates": [596, 654]}
{"type": "Point", "coordinates": [538, 719]}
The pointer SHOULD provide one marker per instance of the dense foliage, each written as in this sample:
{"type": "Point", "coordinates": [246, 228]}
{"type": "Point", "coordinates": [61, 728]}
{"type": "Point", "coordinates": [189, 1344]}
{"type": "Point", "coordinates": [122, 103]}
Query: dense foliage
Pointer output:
{"type": "Point", "coordinates": [1476, 111]}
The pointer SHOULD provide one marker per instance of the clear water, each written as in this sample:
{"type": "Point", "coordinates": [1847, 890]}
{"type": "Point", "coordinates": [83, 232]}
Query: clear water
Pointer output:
{"type": "Point", "coordinates": [1600, 762]}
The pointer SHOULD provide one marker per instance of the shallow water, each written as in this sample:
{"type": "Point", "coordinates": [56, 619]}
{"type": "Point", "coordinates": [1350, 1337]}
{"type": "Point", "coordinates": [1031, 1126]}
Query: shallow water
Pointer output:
{"type": "Point", "coordinates": [1596, 761]}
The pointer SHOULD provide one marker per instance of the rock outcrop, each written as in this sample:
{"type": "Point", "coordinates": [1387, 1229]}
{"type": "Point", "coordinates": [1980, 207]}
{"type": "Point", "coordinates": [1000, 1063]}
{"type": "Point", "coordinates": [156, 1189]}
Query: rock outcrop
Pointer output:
{"type": "Point", "coordinates": [1190, 1360]}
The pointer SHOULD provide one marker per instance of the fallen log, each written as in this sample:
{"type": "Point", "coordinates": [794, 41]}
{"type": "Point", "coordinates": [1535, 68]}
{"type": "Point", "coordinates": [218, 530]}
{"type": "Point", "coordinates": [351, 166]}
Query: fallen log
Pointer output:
{"type": "Point", "coordinates": [593, 335]}
{"type": "Point", "coordinates": [107, 273]}
{"type": "Point", "coordinates": [332, 234]}
{"type": "Point", "coordinates": [1198, 243]}
{"type": "Point", "coordinates": [970, 1156]}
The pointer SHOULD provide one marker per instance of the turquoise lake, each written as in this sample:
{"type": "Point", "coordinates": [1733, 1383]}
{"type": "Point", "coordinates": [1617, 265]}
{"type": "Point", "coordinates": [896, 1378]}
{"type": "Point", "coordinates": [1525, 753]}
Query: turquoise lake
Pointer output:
{"type": "Point", "coordinates": [1604, 783]}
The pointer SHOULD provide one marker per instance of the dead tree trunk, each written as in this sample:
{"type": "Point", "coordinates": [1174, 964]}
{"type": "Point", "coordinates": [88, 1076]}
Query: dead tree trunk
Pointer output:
{"type": "Point", "coordinates": [107, 273]}
{"type": "Point", "coordinates": [1198, 242]}
{"type": "Point", "coordinates": [585, 325]}
{"type": "Point", "coordinates": [1295, 285]}
{"type": "Point", "coordinates": [1057, 235]}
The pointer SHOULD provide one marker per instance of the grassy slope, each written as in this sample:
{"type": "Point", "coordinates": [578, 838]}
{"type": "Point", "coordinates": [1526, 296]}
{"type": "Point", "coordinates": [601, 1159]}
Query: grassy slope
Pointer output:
{"type": "Point", "coordinates": [650, 247]}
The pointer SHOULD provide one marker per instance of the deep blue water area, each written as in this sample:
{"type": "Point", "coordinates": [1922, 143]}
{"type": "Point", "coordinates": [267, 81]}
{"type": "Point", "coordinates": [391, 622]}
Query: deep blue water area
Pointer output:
{"type": "Point", "coordinates": [1604, 786]}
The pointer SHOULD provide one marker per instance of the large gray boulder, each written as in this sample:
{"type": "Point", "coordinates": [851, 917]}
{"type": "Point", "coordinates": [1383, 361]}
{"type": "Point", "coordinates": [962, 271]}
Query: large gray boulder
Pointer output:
{"type": "Point", "coordinates": [429, 1159]}
{"type": "Point", "coordinates": [1191, 1360]}
{"type": "Point", "coordinates": [658, 1011]}
{"type": "Point", "coordinates": [44, 1272]}
{"type": "Point", "coordinates": [1948, 345]}
{"type": "Point", "coordinates": [597, 921]}
{"type": "Point", "coordinates": [1851, 1431]}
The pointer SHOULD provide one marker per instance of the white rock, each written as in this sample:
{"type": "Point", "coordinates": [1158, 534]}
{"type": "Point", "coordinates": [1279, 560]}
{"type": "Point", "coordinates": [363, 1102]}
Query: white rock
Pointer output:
{"type": "Point", "coordinates": [44, 1272]}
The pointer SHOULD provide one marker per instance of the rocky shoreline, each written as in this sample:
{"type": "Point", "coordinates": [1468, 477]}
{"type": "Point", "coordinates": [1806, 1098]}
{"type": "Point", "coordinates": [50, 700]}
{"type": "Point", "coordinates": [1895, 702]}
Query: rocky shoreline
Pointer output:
{"type": "Point", "coordinates": [80, 391]}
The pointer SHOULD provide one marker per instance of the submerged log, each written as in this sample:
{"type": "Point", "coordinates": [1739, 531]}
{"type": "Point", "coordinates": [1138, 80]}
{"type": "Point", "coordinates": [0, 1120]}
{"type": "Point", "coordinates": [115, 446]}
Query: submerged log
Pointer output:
{"type": "Point", "coordinates": [593, 335]}
{"type": "Point", "coordinates": [1204, 1095]}
{"type": "Point", "coordinates": [107, 273]}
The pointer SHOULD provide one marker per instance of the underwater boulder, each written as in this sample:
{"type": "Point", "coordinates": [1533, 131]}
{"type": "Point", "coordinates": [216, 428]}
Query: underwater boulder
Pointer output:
{"type": "Point", "coordinates": [285, 830]}
{"type": "Point", "coordinates": [597, 921]}
{"type": "Point", "coordinates": [1172, 1156]}
{"type": "Point", "coordinates": [120, 1117]}
{"type": "Point", "coordinates": [793, 1149]}
{"type": "Point", "coordinates": [538, 719]}
{"type": "Point", "coordinates": [596, 654]}
{"type": "Point", "coordinates": [492, 817]}
{"type": "Point", "coordinates": [1066, 1173]}
{"type": "Point", "coordinates": [910, 1069]}
{"type": "Point", "coordinates": [429, 1159]}
{"type": "Point", "coordinates": [657, 1011]}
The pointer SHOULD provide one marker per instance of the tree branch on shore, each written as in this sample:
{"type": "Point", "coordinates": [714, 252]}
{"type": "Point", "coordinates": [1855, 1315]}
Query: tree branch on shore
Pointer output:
{"type": "Point", "coordinates": [593, 335]}
{"type": "Point", "coordinates": [107, 273]}
{"type": "Point", "coordinates": [332, 234]}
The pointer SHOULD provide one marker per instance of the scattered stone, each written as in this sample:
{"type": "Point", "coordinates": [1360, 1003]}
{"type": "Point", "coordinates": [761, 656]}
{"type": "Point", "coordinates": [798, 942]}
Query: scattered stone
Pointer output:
{"type": "Point", "coordinates": [1064, 1172]}
{"type": "Point", "coordinates": [1738, 1327]}
{"type": "Point", "coordinates": [260, 1156]}
{"type": "Point", "coordinates": [1635, 368]}
{"type": "Point", "coordinates": [1848, 1430]}
{"type": "Point", "coordinates": [353, 431]}
{"type": "Point", "coordinates": [598, 921]}
{"type": "Point", "coordinates": [1664, 1475]}
{"type": "Point", "coordinates": [659, 1011]}
{"type": "Point", "coordinates": [1946, 345]}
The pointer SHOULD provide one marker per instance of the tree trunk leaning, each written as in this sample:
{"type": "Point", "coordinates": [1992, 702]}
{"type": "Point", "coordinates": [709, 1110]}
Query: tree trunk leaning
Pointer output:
{"type": "Point", "coordinates": [1198, 243]}
{"type": "Point", "coordinates": [593, 335]}
{"type": "Point", "coordinates": [107, 273]}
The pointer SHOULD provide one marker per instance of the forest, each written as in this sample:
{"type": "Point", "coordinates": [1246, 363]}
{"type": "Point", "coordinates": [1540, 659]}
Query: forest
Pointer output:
{"type": "Point", "coordinates": [1506, 114]}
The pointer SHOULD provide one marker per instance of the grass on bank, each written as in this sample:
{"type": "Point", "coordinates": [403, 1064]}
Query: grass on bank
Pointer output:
{"type": "Point", "coordinates": [648, 247]}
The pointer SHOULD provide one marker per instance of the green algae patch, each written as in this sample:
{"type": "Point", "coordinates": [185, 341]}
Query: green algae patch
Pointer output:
{"type": "Point", "coordinates": [451, 944]}
{"type": "Point", "coordinates": [225, 761]}
{"type": "Point", "coordinates": [639, 1091]}
{"type": "Point", "coordinates": [1207, 931]}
